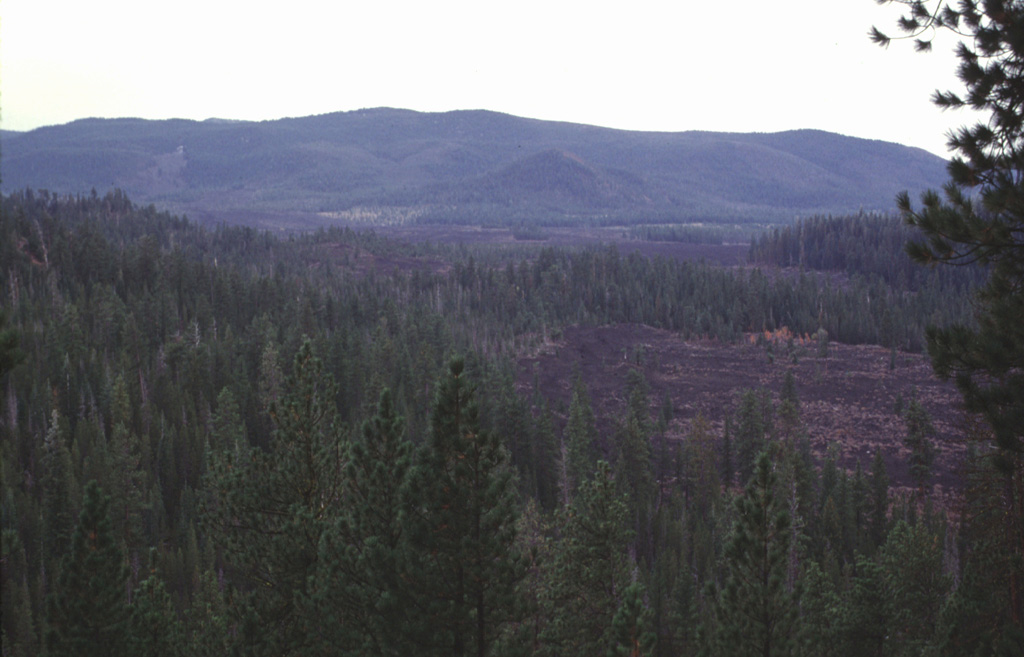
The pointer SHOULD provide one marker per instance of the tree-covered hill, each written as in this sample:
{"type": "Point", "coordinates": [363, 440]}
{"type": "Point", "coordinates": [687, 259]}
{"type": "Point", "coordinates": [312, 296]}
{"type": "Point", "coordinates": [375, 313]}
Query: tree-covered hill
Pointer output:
{"type": "Point", "coordinates": [466, 166]}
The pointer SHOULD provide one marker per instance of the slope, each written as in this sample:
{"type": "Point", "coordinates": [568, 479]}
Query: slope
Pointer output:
{"type": "Point", "coordinates": [465, 165]}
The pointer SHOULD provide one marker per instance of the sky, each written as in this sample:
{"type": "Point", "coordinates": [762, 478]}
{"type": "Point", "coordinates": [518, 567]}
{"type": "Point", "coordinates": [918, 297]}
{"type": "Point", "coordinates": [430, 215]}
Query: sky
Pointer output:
{"type": "Point", "coordinates": [738, 66]}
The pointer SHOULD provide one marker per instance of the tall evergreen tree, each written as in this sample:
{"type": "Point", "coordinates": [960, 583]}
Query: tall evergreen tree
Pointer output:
{"type": "Point", "coordinates": [58, 484]}
{"type": "Point", "coordinates": [464, 565]}
{"type": "Point", "coordinates": [228, 429]}
{"type": "Point", "coordinates": [208, 627]}
{"type": "Point", "coordinates": [757, 611]}
{"type": "Point", "coordinates": [155, 630]}
{"type": "Point", "coordinates": [701, 484]}
{"type": "Point", "coordinates": [865, 620]}
{"type": "Point", "coordinates": [18, 632]}
{"type": "Point", "coordinates": [10, 354]}
{"type": "Point", "coordinates": [878, 512]}
{"type": "Point", "coordinates": [580, 455]}
{"type": "Point", "coordinates": [981, 222]}
{"type": "Point", "coordinates": [920, 434]}
{"type": "Point", "coordinates": [820, 613]}
{"type": "Point", "coordinates": [978, 612]}
{"type": "Point", "coordinates": [127, 486]}
{"type": "Point", "coordinates": [915, 586]}
{"type": "Point", "coordinates": [270, 508]}
{"type": "Point", "coordinates": [728, 455]}
{"type": "Point", "coordinates": [87, 613]}
{"type": "Point", "coordinates": [589, 571]}
{"type": "Point", "coordinates": [359, 580]}
{"type": "Point", "coordinates": [790, 424]}
{"type": "Point", "coordinates": [631, 630]}
{"type": "Point", "coordinates": [634, 469]}
{"type": "Point", "coordinates": [752, 429]}
{"type": "Point", "coordinates": [544, 457]}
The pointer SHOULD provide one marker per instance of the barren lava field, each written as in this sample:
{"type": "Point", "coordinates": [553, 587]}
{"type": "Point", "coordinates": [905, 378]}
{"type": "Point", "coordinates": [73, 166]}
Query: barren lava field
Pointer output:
{"type": "Point", "coordinates": [847, 398]}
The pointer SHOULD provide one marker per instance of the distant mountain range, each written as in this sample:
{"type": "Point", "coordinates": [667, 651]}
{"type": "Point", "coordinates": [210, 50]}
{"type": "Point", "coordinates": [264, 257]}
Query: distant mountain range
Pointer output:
{"type": "Point", "coordinates": [465, 167]}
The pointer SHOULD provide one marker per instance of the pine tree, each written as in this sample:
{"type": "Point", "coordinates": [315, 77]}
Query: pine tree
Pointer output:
{"type": "Point", "coordinates": [980, 220]}
{"type": "Point", "coordinates": [87, 613]}
{"type": "Point", "coordinates": [864, 622]}
{"type": "Point", "coordinates": [920, 434]}
{"type": "Point", "coordinates": [794, 463]}
{"type": "Point", "coordinates": [860, 511]}
{"type": "Point", "coordinates": [820, 613]}
{"type": "Point", "coordinates": [634, 472]}
{"type": "Point", "coordinates": [914, 584]}
{"type": "Point", "coordinates": [790, 424]}
{"type": "Point", "coordinates": [271, 382]}
{"type": "Point", "coordinates": [57, 482]}
{"type": "Point", "coordinates": [269, 509]}
{"type": "Point", "coordinates": [359, 580]}
{"type": "Point", "coordinates": [580, 434]}
{"type": "Point", "coordinates": [533, 543]}
{"type": "Point", "coordinates": [17, 632]}
{"type": "Point", "coordinates": [228, 429]}
{"type": "Point", "coordinates": [878, 513]}
{"type": "Point", "coordinates": [10, 354]}
{"type": "Point", "coordinates": [757, 612]}
{"type": "Point", "coordinates": [752, 429]}
{"type": "Point", "coordinates": [127, 486]}
{"type": "Point", "coordinates": [981, 223]}
{"type": "Point", "coordinates": [728, 462]}
{"type": "Point", "coordinates": [631, 630]}
{"type": "Point", "coordinates": [978, 612]}
{"type": "Point", "coordinates": [701, 483]}
{"type": "Point", "coordinates": [544, 457]}
{"type": "Point", "coordinates": [464, 565]}
{"type": "Point", "coordinates": [589, 570]}
{"type": "Point", "coordinates": [155, 630]}
{"type": "Point", "coordinates": [208, 627]}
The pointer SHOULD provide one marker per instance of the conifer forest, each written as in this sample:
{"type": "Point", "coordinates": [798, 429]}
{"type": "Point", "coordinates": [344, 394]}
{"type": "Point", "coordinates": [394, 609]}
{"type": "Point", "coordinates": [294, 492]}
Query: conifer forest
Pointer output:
{"type": "Point", "coordinates": [223, 440]}
{"type": "Point", "coordinates": [218, 440]}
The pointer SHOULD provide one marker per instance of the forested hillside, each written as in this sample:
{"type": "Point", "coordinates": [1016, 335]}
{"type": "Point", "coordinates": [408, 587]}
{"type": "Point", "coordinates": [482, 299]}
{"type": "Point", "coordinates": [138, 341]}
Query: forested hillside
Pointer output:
{"type": "Point", "coordinates": [872, 246]}
{"type": "Point", "coordinates": [467, 167]}
{"type": "Point", "coordinates": [260, 445]}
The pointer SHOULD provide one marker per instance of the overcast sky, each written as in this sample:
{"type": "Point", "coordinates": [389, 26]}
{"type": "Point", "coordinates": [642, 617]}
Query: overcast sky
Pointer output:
{"type": "Point", "coordinates": [739, 66]}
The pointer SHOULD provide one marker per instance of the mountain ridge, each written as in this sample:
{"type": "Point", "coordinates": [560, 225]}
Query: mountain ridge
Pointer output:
{"type": "Point", "coordinates": [468, 166]}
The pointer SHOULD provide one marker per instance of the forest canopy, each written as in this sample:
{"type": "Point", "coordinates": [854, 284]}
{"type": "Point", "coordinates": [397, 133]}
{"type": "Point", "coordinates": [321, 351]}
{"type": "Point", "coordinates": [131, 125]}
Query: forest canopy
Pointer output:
{"type": "Point", "coordinates": [267, 426]}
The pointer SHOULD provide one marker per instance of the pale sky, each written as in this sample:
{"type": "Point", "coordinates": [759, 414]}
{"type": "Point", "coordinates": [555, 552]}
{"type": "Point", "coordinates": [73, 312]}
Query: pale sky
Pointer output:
{"type": "Point", "coordinates": [737, 66]}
